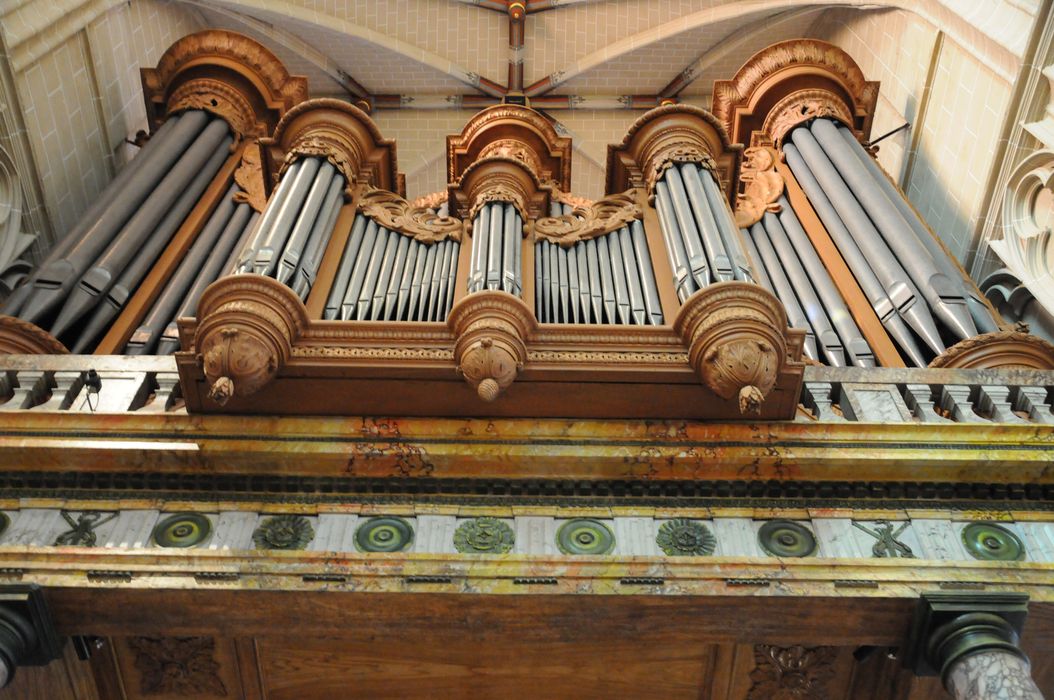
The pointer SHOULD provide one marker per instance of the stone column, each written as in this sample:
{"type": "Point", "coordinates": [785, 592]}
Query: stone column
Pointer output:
{"type": "Point", "coordinates": [992, 675]}
{"type": "Point", "coordinates": [972, 643]}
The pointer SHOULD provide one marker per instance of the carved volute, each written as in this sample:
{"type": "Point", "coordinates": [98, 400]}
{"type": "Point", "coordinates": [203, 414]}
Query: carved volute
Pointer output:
{"type": "Point", "coordinates": [1007, 349]}
{"type": "Point", "coordinates": [491, 330]}
{"type": "Point", "coordinates": [248, 325]}
{"type": "Point", "coordinates": [791, 82]}
{"type": "Point", "coordinates": [339, 132]}
{"type": "Point", "coordinates": [670, 134]}
{"type": "Point", "coordinates": [507, 153]}
{"type": "Point", "coordinates": [736, 335]}
{"type": "Point", "coordinates": [227, 74]}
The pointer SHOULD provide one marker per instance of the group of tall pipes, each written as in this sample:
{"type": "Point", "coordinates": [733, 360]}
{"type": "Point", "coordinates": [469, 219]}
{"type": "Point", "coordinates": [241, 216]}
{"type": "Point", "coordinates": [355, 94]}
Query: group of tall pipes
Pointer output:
{"type": "Point", "coordinates": [923, 300]}
{"type": "Point", "coordinates": [388, 276]}
{"type": "Point", "coordinates": [606, 279]}
{"type": "Point", "coordinates": [92, 272]}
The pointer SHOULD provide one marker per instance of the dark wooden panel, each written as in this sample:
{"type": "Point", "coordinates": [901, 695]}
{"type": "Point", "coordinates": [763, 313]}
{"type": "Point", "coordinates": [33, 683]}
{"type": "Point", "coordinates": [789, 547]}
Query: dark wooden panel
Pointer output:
{"type": "Point", "coordinates": [67, 678]}
{"type": "Point", "coordinates": [308, 669]}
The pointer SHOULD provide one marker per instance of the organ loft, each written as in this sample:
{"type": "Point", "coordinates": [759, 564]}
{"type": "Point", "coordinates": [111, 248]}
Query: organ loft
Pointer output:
{"type": "Point", "coordinates": [716, 407]}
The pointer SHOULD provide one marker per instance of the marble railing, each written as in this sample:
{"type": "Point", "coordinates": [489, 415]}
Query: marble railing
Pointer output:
{"type": "Point", "coordinates": [150, 384]}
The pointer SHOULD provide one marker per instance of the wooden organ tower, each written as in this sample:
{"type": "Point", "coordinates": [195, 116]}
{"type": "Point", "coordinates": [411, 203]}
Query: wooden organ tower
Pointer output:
{"type": "Point", "coordinates": [742, 428]}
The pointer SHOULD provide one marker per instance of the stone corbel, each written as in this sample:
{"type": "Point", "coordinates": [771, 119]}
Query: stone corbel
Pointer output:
{"type": "Point", "coordinates": [735, 333]}
{"type": "Point", "coordinates": [490, 348]}
{"type": "Point", "coordinates": [248, 325]}
{"type": "Point", "coordinates": [589, 220]}
{"type": "Point", "coordinates": [762, 189]}
{"type": "Point", "coordinates": [396, 214]}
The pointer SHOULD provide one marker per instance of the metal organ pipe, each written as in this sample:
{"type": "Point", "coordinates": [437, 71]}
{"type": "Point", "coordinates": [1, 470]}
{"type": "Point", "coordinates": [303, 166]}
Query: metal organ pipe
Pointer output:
{"type": "Point", "coordinates": [783, 289]}
{"type": "Point", "coordinates": [943, 294]}
{"type": "Point", "coordinates": [982, 316]}
{"type": "Point", "coordinates": [291, 238]}
{"type": "Point", "coordinates": [704, 217]}
{"type": "Point", "coordinates": [675, 247]}
{"type": "Point", "coordinates": [497, 232]}
{"type": "Point", "coordinates": [900, 288]}
{"type": "Point", "coordinates": [609, 278]}
{"type": "Point", "coordinates": [55, 279]}
{"type": "Point", "coordinates": [854, 257]}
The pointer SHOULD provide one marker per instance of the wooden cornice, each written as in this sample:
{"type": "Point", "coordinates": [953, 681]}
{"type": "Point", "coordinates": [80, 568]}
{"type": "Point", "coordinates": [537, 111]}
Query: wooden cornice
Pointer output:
{"type": "Point", "coordinates": [225, 73]}
{"type": "Point", "coordinates": [670, 134]}
{"type": "Point", "coordinates": [790, 82]}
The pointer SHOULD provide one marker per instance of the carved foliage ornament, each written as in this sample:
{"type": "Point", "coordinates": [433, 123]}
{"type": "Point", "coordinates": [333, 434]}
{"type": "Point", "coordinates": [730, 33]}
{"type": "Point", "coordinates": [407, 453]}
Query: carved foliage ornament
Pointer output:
{"type": "Point", "coordinates": [182, 666]}
{"type": "Point", "coordinates": [589, 221]}
{"type": "Point", "coordinates": [511, 148]}
{"type": "Point", "coordinates": [676, 152]}
{"type": "Point", "coordinates": [342, 154]}
{"type": "Point", "coordinates": [396, 214]}
{"type": "Point", "coordinates": [734, 332]}
{"type": "Point", "coordinates": [250, 178]}
{"type": "Point", "coordinates": [803, 106]}
{"type": "Point", "coordinates": [791, 673]}
{"type": "Point", "coordinates": [763, 187]}
{"type": "Point", "coordinates": [219, 98]}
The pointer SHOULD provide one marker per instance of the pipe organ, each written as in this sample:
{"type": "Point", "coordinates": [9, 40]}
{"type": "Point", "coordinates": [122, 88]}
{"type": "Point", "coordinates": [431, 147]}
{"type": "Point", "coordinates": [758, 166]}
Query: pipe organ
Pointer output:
{"type": "Point", "coordinates": [741, 359]}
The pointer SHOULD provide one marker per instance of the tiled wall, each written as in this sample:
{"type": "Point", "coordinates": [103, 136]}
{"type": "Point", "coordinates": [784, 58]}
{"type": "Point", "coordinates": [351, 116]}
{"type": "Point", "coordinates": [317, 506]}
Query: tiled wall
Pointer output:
{"type": "Point", "coordinates": [83, 98]}
{"type": "Point", "coordinates": [961, 126]}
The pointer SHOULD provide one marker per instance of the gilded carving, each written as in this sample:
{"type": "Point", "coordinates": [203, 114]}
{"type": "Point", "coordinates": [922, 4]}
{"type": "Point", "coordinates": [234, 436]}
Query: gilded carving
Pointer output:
{"type": "Point", "coordinates": [251, 87]}
{"type": "Point", "coordinates": [501, 179]}
{"type": "Point", "coordinates": [791, 673]}
{"type": "Point", "coordinates": [763, 187]}
{"type": "Point", "coordinates": [219, 98]}
{"type": "Point", "coordinates": [800, 107]}
{"type": "Point", "coordinates": [342, 154]}
{"type": "Point", "coordinates": [670, 134]}
{"type": "Point", "coordinates": [589, 221]}
{"type": "Point", "coordinates": [735, 334]}
{"type": "Point", "coordinates": [795, 59]}
{"type": "Point", "coordinates": [18, 337]}
{"type": "Point", "coordinates": [183, 666]}
{"type": "Point", "coordinates": [999, 350]}
{"type": "Point", "coordinates": [491, 329]}
{"type": "Point", "coordinates": [248, 326]}
{"type": "Point", "coordinates": [431, 201]}
{"type": "Point", "coordinates": [396, 214]}
{"type": "Point", "coordinates": [250, 178]}
{"type": "Point", "coordinates": [511, 148]}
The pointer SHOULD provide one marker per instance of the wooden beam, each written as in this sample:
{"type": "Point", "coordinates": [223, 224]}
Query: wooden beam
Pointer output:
{"type": "Point", "coordinates": [886, 353]}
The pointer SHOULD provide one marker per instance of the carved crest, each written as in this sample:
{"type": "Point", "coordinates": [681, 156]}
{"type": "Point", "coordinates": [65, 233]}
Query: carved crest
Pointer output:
{"type": "Point", "coordinates": [763, 187]}
{"type": "Point", "coordinates": [396, 214]}
{"type": "Point", "coordinates": [800, 107]}
{"type": "Point", "coordinates": [177, 666]}
{"type": "Point", "coordinates": [250, 178]}
{"type": "Point", "coordinates": [589, 221]}
{"type": "Point", "coordinates": [791, 673]}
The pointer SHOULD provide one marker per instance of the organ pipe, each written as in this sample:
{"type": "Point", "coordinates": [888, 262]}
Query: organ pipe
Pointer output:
{"type": "Point", "coordinates": [495, 262]}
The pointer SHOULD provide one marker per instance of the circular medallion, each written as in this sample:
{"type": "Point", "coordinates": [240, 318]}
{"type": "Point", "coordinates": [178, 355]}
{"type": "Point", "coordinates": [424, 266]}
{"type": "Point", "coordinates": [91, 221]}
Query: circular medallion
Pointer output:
{"type": "Point", "coordinates": [182, 530]}
{"type": "Point", "coordinates": [991, 542]}
{"type": "Point", "coordinates": [685, 538]}
{"type": "Point", "coordinates": [585, 536]}
{"type": "Point", "coordinates": [783, 538]}
{"type": "Point", "coordinates": [386, 534]}
{"type": "Point", "coordinates": [484, 536]}
{"type": "Point", "coordinates": [283, 532]}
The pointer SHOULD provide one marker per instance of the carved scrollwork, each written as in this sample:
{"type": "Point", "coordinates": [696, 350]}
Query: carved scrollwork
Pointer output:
{"type": "Point", "coordinates": [248, 326]}
{"type": "Point", "coordinates": [803, 106]}
{"type": "Point", "coordinates": [676, 152]}
{"type": "Point", "coordinates": [250, 178]}
{"type": "Point", "coordinates": [734, 332]}
{"type": "Point", "coordinates": [763, 187]}
{"type": "Point", "coordinates": [216, 97]}
{"type": "Point", "coordinates": [396, 214]}
{"type": "Point", "coordinates": [589, 221]}
{"type": "Point", "coordinates": [491, 330]}
{"type": "Point", "coordinates": [341, 154]}
{"type": "Point", "coordinates": [431, 201]}
{"type": "Point", "coordinates": [999, 350]}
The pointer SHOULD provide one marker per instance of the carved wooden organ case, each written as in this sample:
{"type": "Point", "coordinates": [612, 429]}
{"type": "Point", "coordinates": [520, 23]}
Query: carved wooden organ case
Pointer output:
{"type": "Point", "coordinates": [732, 248]}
